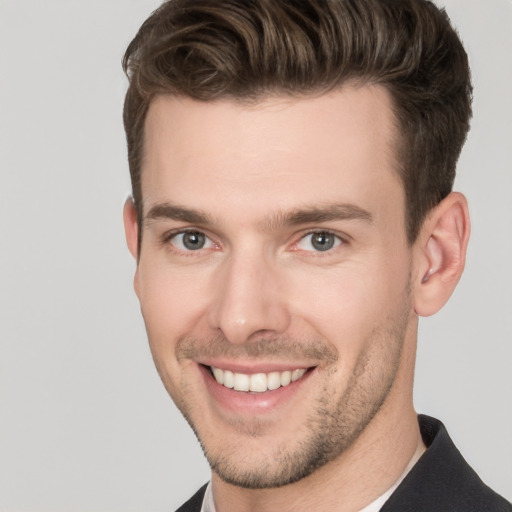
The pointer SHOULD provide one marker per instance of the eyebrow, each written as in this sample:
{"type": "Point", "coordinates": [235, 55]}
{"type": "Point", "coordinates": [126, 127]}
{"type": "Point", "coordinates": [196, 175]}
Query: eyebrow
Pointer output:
{"type": "Point", "coordinates": [317, 214]}
{"type": "Point", "coordinates": [162, 211]}
{"type": "Point", "coordinates": [295, 217]}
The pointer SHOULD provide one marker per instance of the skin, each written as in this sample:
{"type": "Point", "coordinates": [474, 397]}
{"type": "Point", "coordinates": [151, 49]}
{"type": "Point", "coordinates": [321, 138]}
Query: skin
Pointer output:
{"type": "Point", "coordinates": [257, 180]}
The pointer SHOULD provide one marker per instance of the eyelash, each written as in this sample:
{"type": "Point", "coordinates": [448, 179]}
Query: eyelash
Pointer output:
{"type": "Point", "coordinates": [169, 236]}
{"type": "Point", "coordinates": [341, 240]}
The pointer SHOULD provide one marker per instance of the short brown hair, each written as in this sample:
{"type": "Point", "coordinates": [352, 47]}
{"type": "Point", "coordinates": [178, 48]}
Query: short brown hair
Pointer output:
{"type": "Point", "coordinates": [244, 50]}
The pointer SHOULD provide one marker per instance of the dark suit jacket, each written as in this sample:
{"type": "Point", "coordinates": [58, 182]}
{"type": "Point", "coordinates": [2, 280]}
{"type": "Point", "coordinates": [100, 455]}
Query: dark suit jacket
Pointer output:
{"type": "Point", "coordinates": [441, 481]}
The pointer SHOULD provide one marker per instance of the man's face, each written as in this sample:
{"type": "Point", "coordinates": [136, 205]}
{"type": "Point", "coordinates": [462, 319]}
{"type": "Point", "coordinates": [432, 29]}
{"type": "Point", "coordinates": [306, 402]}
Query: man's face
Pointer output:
{"type": "Point", "coordinates": [274, 256]}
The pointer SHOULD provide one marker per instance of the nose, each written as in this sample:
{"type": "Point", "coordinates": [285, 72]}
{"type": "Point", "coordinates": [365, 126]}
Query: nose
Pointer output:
{"type": "Point", "coordinates": [248, 299]}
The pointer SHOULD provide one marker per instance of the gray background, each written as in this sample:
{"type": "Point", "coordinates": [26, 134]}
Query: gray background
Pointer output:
{"type": "Point", "coordinates": [85, 422]}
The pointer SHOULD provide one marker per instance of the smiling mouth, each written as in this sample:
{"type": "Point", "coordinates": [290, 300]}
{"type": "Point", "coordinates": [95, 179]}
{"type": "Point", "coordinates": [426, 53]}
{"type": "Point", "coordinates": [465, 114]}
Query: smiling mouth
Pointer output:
{"type": "Point", "coordinates": [256, 382]}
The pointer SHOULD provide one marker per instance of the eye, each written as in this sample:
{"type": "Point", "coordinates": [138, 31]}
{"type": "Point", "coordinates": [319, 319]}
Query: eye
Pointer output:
{"type": "Point", "coordinates": [319, 241]}
{"type": "Point", "coordinates": [191, 241]}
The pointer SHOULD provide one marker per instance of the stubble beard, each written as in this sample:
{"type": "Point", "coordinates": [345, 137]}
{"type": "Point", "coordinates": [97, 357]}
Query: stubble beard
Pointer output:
{"type": "Point", "coordinates": [332, 427]}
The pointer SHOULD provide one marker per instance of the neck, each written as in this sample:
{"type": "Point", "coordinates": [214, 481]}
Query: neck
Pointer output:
{"type": "Point", "coordinates": [367, 469]}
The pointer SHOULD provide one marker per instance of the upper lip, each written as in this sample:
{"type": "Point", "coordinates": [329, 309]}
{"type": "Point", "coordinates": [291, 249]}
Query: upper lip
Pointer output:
{"type": "Point", "coordinates": [252, 367]}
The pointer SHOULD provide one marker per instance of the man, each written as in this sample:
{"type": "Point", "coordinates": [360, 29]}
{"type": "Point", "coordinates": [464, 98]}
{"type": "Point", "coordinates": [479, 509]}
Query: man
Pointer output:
{"type": "Point", "coordinates": [292, 165]}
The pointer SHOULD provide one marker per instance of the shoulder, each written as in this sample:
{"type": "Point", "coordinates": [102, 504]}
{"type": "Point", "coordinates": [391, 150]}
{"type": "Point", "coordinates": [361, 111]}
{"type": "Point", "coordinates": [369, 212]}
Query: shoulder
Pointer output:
{"type": "Point", "coordinates": [195, 503]}
{"type": "Point", "coordinates": [442, 480]}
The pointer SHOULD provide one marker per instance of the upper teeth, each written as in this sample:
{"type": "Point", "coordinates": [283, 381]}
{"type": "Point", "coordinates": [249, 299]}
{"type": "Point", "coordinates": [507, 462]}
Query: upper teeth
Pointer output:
{"type": "Point", "coordinates": [258, 382]}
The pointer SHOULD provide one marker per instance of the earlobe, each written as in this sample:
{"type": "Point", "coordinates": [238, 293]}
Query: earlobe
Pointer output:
{"type": "Point", "coordinates": [441, 254]}
{"type": "Point", "coordinates": [131, 228]}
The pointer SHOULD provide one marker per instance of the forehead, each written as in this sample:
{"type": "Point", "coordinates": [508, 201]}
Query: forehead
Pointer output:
{"type": "Point", "coordinates": [276, 153]}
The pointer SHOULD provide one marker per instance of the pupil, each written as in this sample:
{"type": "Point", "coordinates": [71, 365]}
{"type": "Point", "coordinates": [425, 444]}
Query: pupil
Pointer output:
{"type": "Point", "coordinates": [322, 241]}
{"type": "Point", "coordinates": [193, 241]}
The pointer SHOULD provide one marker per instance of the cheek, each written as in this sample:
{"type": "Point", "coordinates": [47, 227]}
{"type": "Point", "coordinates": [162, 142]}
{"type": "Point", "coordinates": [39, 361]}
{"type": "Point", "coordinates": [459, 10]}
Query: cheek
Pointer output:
{"type": "Point", "coordinates": [171, 309]}
{"type": "Point", "coordinates": [171, 302]}
{"type": "Point", "coordinates": [347, 305]}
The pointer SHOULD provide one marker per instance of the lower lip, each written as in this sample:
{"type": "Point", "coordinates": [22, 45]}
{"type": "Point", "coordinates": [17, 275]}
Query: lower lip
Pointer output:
{"type": "Point", "coordinates": [248, 402]}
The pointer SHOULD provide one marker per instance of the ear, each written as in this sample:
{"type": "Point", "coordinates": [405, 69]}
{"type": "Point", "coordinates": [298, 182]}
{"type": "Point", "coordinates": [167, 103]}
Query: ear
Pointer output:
{"type": "Point", "coordinates": [131, 227]}
{"type": "Point", "coordinates": [131, 230]}
{"type": "Point", "coordinates": [441, 254]}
